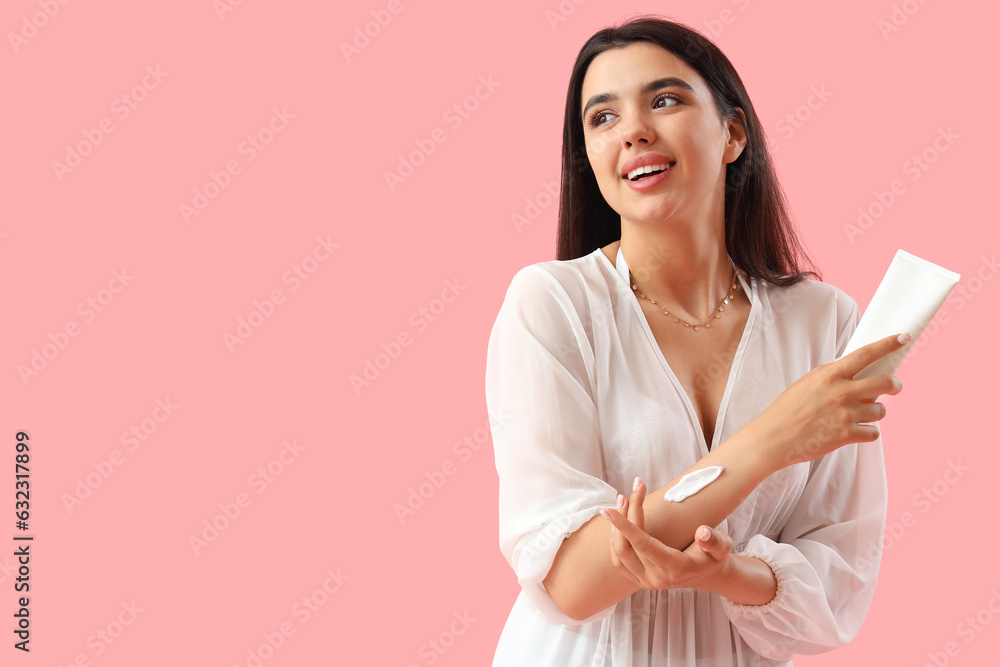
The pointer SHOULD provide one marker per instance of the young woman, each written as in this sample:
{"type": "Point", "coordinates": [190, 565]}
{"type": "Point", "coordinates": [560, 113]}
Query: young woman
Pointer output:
{"type": "Point", "coordinates": [676, 333]}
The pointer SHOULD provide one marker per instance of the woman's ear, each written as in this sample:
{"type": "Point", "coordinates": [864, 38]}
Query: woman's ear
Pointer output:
{"type": "Point", "coordinates": [737, 140]}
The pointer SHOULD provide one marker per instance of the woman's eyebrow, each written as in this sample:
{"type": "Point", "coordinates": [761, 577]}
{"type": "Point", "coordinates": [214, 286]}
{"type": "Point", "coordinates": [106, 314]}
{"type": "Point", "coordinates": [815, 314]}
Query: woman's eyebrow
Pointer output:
{"type": "Point", "coordinates": [666, 82]}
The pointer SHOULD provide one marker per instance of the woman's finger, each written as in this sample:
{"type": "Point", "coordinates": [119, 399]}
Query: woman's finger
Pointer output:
{"type": "Point", "coordinates": [635, 512]}
{"type": "Point", "coordinates": [873, 387]}
{"type": "Point", "coordinates": [871, 412]}
{"type": "Point", "coordinates": [656, 564]}
{"type": "Point", "coordinates": [626, 550]}
{"type": "Point", "coordinates": [713, 543]}
{"type": "Point", "coordinates": [864, 432]}
{"type": "Point", "coordinates": [864, 356]}
{"type": "Point", "coordinates": [623, 556]}
{"type": "Point", "coordinates": [617, 541]}
{"type": "Point", "coordinates": [623, 568]}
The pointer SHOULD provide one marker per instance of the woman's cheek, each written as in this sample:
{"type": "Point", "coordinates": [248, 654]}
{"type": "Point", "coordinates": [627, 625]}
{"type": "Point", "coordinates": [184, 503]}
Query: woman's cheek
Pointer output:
{"type": "Point", "coordinates": [598, 146]}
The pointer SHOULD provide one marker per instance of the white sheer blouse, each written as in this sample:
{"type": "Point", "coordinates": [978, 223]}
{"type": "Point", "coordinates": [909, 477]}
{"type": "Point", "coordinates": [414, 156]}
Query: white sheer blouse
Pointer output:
{"type": "Point", "coordinates": [581, 400]}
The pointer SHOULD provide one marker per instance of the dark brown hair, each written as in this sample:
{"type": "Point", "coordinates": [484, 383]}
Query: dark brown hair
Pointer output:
{"type": "Point", "coordinates": [760, 237]}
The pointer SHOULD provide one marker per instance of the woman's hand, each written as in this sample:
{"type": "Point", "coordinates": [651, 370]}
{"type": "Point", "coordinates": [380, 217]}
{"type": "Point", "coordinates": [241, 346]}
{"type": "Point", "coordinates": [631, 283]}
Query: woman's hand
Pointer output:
{"type": "Point", "coordinates": [826, 408]}
{"type": "Point", "coordinates": [651, 564]}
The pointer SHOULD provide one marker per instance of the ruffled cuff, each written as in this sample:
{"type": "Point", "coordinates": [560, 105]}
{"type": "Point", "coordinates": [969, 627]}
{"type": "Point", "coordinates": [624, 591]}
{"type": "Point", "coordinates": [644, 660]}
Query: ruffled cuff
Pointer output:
{"type": "Point", "coordinates": [819, 604]}
{"type": "Point", "coordinates": [780, 576]}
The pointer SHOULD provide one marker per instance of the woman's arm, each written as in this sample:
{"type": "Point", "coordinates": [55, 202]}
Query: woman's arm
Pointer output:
{"type": "Point", "coordinates": [825, 561]}
{"type": "Point", "coordinates": [583, 580]}
{"type": "Point", "coordinates": [817, 414]}
{"type": "Point", "coordinates": [708, 564]}
{"type": "Point", "coordinates": [751, 582]}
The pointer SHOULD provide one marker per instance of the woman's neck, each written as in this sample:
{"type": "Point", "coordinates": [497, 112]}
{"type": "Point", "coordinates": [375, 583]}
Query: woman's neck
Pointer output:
{"type": "Point", "coordinates": [686, 270]}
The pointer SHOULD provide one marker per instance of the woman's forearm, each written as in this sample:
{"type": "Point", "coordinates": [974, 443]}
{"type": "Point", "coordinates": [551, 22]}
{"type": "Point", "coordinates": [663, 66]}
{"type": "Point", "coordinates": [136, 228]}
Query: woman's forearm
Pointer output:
{"type": "Point", "coordinates": [749, 581]}
{"type": "Point", "coordinates": [582, 580]}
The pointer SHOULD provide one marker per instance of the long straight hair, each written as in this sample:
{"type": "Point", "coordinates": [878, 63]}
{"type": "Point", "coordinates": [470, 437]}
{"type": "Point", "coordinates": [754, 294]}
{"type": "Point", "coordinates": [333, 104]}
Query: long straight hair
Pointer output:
{"type": "Point", "coordinates": [760, 236]}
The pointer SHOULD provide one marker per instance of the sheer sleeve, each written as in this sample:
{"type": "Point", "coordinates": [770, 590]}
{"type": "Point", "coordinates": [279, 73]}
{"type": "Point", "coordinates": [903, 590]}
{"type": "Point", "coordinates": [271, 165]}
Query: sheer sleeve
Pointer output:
{"type": "Point", "coordinates": [827, 556]}
{"type": "Point", "coordinates": [546, 436]}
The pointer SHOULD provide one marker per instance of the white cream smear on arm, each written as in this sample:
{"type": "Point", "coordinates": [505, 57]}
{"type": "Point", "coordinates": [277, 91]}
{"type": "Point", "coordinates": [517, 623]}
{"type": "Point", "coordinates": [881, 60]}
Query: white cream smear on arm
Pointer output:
{"type": "Point", "coordinates": [692, 483]}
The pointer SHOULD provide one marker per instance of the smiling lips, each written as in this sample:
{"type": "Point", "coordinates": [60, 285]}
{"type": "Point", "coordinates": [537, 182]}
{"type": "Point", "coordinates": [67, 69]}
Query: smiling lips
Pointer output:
{"type": "Point", "coordinates": [647, 171]}
{"type": "Point", "coordinates": [646, 167]}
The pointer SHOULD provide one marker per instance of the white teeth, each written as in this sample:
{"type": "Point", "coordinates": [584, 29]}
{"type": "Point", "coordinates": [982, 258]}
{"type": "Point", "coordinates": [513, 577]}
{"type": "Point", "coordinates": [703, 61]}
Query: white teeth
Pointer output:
{"type": "Point", "coordinates": [646, 170]}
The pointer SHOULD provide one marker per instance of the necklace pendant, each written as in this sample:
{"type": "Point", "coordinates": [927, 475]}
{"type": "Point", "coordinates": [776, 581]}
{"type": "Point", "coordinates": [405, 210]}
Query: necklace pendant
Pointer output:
{"type": "Point", "coordinates": [696, 327]}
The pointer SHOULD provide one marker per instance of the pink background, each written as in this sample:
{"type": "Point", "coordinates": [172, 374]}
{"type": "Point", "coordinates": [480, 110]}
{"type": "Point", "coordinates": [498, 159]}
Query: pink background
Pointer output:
{"type": "Point", "coordinates": [328, 127]}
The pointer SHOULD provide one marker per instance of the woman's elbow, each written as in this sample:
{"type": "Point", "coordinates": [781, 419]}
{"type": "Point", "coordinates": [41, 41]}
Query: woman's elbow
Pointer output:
{"type": "Point", "coordinates": [568, 600]}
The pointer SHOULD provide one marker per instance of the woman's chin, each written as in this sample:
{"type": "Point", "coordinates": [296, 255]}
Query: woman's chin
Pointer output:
{"type": "Point", "coordinates": [650, 214]}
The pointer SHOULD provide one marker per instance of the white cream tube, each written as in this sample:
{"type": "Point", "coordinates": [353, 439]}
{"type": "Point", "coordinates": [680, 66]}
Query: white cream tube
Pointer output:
{"type": "Point", "coordinates": [907, 299]}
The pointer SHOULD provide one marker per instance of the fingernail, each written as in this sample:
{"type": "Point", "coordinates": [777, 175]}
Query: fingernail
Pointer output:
{"type": "Point", "coordinates": [904, 338]}
{"type": "Point", "coordinates": [621, 501]}
{"type": "Point", "coordinates": [635, 484]}
{"type": "Point", "coordinates": [704, 534]}
{"type": "Point", "coordinates": [606, 514]}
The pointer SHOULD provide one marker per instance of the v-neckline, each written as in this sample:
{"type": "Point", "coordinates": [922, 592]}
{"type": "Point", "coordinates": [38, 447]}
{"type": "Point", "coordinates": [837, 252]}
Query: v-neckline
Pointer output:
{"type": "Point", "coordinates": [751, 290]}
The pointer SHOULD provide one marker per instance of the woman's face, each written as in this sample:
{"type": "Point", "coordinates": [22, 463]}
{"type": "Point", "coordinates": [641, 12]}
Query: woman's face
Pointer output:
{"type": "Point", "coordinates": [642, 105]}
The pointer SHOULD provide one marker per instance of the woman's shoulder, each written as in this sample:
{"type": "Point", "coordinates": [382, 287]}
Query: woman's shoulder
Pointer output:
{"type": "Point", "coordinates": [572, 279]}
{"type": "Point", "coordinates": [812, 305]}
{"type": "Point", "coordinates": [554, 302]}
{"type": "Point", "coordinates": [809, 296]}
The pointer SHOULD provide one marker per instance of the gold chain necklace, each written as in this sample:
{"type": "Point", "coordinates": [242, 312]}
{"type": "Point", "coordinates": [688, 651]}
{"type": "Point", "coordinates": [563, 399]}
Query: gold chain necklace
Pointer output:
{"type": "Point", "coordinates": [708, 323]}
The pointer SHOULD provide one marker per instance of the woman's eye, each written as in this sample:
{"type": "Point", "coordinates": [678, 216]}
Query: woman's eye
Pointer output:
{"type": "Point", "coordinates": [665, 98]}
{"type": "Point", "coordinates": [599, 118]}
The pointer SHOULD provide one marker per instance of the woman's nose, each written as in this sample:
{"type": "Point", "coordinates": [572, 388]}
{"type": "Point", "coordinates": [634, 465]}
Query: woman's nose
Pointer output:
{"type": "Point", "coordinates": [636, 129]}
